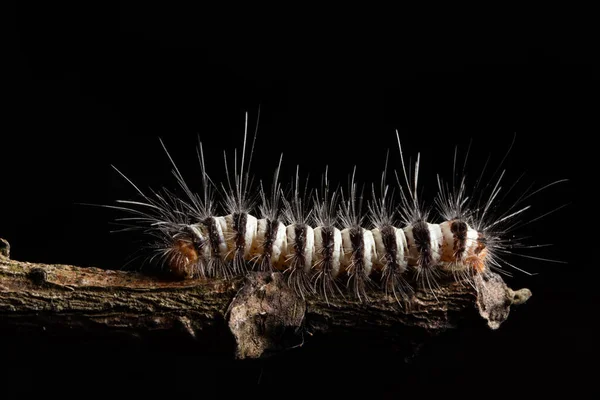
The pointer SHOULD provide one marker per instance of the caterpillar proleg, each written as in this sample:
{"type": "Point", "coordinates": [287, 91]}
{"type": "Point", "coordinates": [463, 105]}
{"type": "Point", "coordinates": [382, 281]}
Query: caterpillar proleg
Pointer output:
{"type": "Point", "coordinates": [323, 240]}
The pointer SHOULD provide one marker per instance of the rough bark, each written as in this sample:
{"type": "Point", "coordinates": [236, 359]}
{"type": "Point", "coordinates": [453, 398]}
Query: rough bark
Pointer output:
{"type": "Point", "coordinates": [259, 311]}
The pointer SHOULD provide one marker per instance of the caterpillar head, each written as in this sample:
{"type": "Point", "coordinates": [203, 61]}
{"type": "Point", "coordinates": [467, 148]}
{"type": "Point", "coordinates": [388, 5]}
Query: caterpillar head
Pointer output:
{"type": "Point", "coordinates": [464, 248]}
{"type": "Point", "coordinates": [184, 255]}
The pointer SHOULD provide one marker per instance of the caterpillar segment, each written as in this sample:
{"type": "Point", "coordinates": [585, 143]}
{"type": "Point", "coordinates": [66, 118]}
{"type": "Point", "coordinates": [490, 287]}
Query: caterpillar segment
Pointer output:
{"type": "Point", "coordinates": [217, 263]}
{"type": "Point", "coordinates": [270, 242]}
{"type": "Point", "coordinates": [241, 230]}
{"type": "Point", "coordinates": [269, 245]}
{"type": "Point", "coordinates": [358, 248]}
{"type": "Point", "coordinates": [327, 264]}
{"type": "Point", "coordinates": [391, 249]}
{"type": "Point", "coordinates": [424, 242]}
{"type": "Point", "coordinates": [299, 257]}
{"type": "Point", "coordinates": [327, 267]}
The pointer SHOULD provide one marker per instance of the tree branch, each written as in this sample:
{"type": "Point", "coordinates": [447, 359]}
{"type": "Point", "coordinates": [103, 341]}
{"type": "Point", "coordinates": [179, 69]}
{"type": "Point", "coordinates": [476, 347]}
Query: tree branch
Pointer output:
{"type": "Point", "coordinates": [263, 315]}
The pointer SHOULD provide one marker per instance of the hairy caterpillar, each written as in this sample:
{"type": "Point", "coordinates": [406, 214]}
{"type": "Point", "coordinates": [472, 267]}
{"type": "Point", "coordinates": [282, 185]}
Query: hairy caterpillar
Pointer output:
{"type": "Point", "coordinates": [324, 239]}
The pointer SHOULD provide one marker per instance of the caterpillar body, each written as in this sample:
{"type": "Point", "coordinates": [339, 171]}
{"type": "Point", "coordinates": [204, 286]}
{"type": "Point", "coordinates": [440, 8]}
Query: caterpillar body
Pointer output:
{"type": "Point", "coordinates": [321, 239]}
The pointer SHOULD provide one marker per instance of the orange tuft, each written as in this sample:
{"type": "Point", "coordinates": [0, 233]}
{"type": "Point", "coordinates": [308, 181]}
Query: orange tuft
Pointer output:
{"type": "Point", "coordinates": [477, 260]}
{"type": "Point", "coordinates": [183, 259]}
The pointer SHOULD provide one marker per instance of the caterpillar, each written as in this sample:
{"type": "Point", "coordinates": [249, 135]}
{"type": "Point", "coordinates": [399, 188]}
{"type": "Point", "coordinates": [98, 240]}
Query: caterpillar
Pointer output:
{"type": "Point", "coordinates": [325, 239]}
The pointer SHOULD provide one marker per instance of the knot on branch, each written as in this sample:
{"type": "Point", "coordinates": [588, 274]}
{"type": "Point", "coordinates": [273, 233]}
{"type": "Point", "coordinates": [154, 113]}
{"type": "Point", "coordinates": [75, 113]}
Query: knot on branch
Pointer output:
{"type": "Point", "coordinates": [265, 316]}
{"type": "Point", "coordinates": [38, 276]}
{"type": "Point", "coordinates": [4, 248]}
{"type": "Point", "coordinates": [494, 298]}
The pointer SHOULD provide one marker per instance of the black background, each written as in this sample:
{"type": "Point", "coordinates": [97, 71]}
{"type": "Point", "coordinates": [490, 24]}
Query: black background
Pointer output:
{"type": "Point", "coordinates": [92, 87]}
